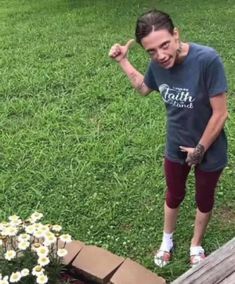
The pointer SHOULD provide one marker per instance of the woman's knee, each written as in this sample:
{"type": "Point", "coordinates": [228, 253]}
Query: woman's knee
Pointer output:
{"type": "Point", "coordinates": [176, 175]}
{"type": "Point", "coordinates": [173, 200]}
{"type": "Point", "coordinates": [206, 183]}
{"type": "Point", "coordinates": [205, 205]}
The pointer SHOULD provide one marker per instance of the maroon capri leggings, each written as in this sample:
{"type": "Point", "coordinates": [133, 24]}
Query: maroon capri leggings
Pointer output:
{"type": "Point", "coordinates": [205, 182]}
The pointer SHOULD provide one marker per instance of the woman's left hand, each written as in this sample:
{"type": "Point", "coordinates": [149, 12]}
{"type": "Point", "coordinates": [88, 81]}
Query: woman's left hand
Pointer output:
{"type": "Point", "coordinates": [194, 155]}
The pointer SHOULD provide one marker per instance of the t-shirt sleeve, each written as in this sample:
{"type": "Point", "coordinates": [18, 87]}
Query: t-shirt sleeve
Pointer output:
{"type": "Point", "coordinates": [149, 79]}
{"type": "Point", "coordinates": [216, 81]}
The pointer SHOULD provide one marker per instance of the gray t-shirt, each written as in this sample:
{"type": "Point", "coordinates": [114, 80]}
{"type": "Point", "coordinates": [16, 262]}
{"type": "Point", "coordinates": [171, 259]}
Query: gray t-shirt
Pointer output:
{"type": "Point", "coordinates": [186, 89]}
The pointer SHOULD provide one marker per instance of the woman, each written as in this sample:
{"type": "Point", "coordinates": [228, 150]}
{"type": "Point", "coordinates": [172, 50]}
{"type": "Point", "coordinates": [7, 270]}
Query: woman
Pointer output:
{"type": "Point", "coordinates": [192, 83]}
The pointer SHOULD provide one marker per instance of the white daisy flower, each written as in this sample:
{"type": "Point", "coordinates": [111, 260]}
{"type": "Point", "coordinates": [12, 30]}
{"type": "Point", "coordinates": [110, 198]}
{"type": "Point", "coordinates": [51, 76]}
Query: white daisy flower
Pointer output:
{"type": "Point", "coordinates": [56, 228]}
{"type": "Point", "coordinates": [10, 254]}
{"type": "Point", "coordinates": [15, 277]}
{"type": "Point", "coordinates": [23, 237]}
{"type": "Point", "coordinates": [10, 231]}
{"type": "Point", "coordinates": [62, 252]}
{"type": "Point", "coordinates": [24, 272]}
{"type": "Point", "coordinates": [13, 218]}
{"type": "Point", "coordinates": [49, 235]}
{"type": "Point", "coordinates": [16, 223]}
{"type": "Point", "coordinates": [3, 226]}
{"type": "Point", "coordinates": [23, 245]}
{"type": "Point", "coordinates": [38, 234]}
{"type": "Point", "coordinates": [42, 251]}
{"type": "Point", "coordinates": [45, 228]}
{"type": "Point", "coordinates": [50, 239]}
{"type": "Point", "coordinates": [37, 226]}
{"type": "Point", "coordinates": [43, 261]}
{"type": "Point", "coordinates": [30, 229]}
{"type": "Point", "coordinates": [37, 270]}
{"type": "Point", "coordinates": [66, 238]}
{"type": "Point", "coordinates": [4, 281]}
{"type": "Point", "coordinates": [36, 246]}
{"type": "Point", "coordinates": [42, 279]}
{"type": "Point", "coordinates": [36, 216]}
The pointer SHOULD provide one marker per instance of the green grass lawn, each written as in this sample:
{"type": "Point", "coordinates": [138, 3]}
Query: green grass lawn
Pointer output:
{"type": "Point", "coordinates": [79, 145]}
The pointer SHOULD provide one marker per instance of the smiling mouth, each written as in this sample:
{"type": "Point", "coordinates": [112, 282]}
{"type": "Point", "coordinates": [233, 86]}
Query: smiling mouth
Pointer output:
{"type": "Point", "coordinates": [165, 62]}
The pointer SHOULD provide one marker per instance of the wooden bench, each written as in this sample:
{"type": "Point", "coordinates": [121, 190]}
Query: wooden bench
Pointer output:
{"type": "Point", "coordinates": [218, 267]}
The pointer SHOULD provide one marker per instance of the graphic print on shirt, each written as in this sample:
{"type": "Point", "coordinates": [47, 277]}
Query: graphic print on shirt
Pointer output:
{"type": "Point", "coordinates": [177, 97]}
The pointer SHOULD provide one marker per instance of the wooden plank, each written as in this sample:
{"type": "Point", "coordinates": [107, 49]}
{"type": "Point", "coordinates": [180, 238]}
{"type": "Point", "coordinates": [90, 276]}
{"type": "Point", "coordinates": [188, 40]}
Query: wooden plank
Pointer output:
{"type": "Point", "coordinates": [214, 269]}
{"type": "Point", "coordinates": [229, 280]}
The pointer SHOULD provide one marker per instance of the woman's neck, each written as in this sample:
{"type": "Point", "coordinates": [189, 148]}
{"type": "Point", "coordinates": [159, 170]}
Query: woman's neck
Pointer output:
{"type": "Point", "coordinates": [182, 52]}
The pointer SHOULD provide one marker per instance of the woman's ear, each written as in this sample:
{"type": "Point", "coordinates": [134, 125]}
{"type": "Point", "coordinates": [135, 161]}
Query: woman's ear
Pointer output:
{"type": "Point", "coordinates": [176, 33]}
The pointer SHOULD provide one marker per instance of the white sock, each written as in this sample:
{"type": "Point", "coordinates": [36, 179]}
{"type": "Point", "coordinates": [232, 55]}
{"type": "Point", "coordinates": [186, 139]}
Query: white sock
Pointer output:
{"type": "Point", "coordinates": [167, 242]}
{"type": "Point", "coordinates": [196, 250]}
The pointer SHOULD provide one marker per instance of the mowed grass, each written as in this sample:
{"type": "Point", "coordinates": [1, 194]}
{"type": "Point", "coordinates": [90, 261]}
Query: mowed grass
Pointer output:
{"type": "Point", "coordinates": [78, 144]}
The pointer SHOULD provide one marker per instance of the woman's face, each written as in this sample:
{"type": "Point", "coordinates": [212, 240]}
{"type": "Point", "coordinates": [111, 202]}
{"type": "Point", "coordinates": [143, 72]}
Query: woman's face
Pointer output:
{"type": "Point", "coordinates": [162, 47]}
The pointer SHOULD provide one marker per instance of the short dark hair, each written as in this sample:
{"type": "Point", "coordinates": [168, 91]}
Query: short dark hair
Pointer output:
{"type": "Point", "coordinates": [152, 20]}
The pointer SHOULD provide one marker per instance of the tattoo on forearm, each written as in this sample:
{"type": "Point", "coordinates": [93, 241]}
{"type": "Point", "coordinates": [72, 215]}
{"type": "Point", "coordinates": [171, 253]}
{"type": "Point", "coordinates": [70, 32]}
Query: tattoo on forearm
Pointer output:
{"type": "Point", "coordinates": [197, 155]}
